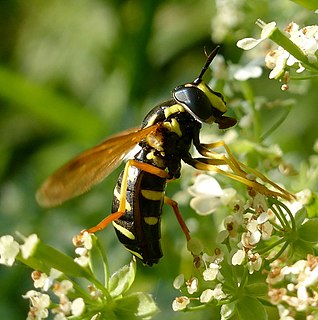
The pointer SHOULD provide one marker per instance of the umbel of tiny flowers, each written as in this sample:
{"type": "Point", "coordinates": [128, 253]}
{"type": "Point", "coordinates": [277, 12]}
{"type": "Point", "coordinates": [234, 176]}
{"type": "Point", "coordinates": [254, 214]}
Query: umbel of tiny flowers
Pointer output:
{"type": "Point", "coordinates": [59, 290]}
{"type": "Point", "coordinates": [297, 49]}
{"type": "Point", "coordinates": [294, 288]}
{"type": "Point", "coordinates": [259, 231]}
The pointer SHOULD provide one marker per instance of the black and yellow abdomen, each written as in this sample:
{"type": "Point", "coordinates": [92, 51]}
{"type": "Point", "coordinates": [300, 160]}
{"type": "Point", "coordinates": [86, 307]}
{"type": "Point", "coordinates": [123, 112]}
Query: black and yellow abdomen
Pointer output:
{"type": "Point", "coordinates": [139, 227]}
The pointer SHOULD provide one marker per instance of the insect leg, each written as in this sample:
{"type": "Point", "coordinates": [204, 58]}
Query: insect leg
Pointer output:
{"type": "Point", "coordinates": [238, 174]}
{"type": "Point", "coordinates": [122, 199]}
{"type": "Point", "coordinates": [177, 212]}
{"type": "Point", "coordinates": [237, 166]}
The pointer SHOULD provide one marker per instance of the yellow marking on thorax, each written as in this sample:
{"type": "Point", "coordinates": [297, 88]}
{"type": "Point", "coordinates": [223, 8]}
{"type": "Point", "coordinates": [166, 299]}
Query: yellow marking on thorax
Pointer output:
{"type": "Point", "coordinates": [173, 126]}
{"type": "Point", "coordinates": [152, 195]}
{"type": "Point", "coordinates": [156, 160]}
{"type": "Point", "coordinates": [124, 231]}
{"type": "Point", "coordinates": [151, 220]}
{"type": "Point", "coordinates": [173, 109]}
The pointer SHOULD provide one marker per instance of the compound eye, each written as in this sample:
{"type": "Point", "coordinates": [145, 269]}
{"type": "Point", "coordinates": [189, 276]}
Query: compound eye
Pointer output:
{"type": "Point", "coordinates": [195, 102]}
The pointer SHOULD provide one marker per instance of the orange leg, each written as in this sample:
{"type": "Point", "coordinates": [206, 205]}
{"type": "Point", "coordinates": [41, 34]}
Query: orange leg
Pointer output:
{"type": "Point", "coordinates": [122, 200]}
{"type": "Point", "coordinates": [177, 212]}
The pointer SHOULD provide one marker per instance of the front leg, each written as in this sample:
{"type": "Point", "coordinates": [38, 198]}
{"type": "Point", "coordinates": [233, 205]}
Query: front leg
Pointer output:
{"type": "Point", "coordinates": [238, 170]}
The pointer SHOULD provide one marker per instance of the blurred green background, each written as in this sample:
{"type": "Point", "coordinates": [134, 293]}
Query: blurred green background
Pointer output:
{"type": "Point", "coordinates": [73, 72]}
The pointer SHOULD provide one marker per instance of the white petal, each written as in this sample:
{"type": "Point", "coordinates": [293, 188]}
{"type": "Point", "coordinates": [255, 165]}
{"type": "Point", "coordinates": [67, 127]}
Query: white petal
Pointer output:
{"type": "Point", "coordinates": [78, 306]}
{"type": "Point", "coordinates": [263, 217]}
{"type": "Point", "coordinates": [29, 246]}
{"type": "Point", "coordinates": [205, 205]}
{"type": "Point", "coordinates": [268, 30]}
{"type": "Point", "coordinates": [178, 281]}
{"type": "Point", "coordinates": [238, 257]}
{"type": "Point", "coordinates": [248, 43]}
{"type": "Point", "coordinates": [248, 72]}
{"type": "Point", "coordinates": [206, 296]}
{"type": "Point", "coordinates": [279, 68]}
{"type": "Point", "coordinates": [205, 185]}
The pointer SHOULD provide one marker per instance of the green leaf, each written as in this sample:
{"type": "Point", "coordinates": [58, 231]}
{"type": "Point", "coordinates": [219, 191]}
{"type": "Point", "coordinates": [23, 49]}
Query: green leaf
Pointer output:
{"type": "Point", "coordinates": [312, 206]}
{"type": "Point", "coordinates": [138, 305]}
{"type": "Point", "coordinates": [300, 216]}
{"type": "Point", "coordinates": [257, 289]}
{"type": "Point", "coordinates": [122, 279]}
{"type": "Point", "coordinates": [309, 4]}
{"type": "Point", "coordinates": [46, 104]}
{"type": "Point", "coordinates": [227, 310]}
{"type": "Point", "coordinates": [308, 231]}
{"type": "Point", "coordinates": [299, 249]}
{"type": "Point", "coordinates": [250, 308]}
{"type": "Point", "coordinates": [46, 257]}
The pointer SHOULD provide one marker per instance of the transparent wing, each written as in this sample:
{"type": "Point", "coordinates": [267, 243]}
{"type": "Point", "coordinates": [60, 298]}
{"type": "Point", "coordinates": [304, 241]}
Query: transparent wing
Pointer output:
{"type": "Point", "coordinates": [89, 168]}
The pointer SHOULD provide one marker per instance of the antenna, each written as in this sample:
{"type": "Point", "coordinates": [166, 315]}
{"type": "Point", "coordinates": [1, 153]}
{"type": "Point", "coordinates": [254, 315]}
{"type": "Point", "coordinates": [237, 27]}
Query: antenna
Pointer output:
{"type": "Point", "coordinates": [208, 62]}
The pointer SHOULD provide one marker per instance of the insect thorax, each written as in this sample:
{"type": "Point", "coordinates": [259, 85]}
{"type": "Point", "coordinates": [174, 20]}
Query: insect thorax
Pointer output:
{"type": "Point", "coordinates": [172, 141]}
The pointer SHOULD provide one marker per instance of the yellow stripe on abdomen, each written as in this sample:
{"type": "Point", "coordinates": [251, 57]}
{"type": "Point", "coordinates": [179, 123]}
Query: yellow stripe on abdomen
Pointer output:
{"type": "Point", "coordinates": [152, 195]}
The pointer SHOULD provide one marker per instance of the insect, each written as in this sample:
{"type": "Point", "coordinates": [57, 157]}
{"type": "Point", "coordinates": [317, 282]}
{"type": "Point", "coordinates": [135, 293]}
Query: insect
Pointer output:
{"type": "Point", "coordinates": [165, 138]}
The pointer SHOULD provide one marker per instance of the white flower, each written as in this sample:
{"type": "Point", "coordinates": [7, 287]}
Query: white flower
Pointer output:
{"type": "Point", "coordinates": [192, 285]}
{"type": "Point", "coordinates": [64, 306]}
{"type": "Point", "coordinates": [209, 294]}
{"type": "Point", "coordinates": [60, 316]}
{"type": "Point", "coordinates": [208, 195]}
{"type": "Point", "coordinates": [246, 72]}
{"type": "Point", "coordinates": [62, 288]}
{"type": "Point", "coordinates": [250, 43]}
{"type": "Point", "coordinates": [206, 296]}
{"type": "Point", "coordinates": [306, 39]}
{"type": "Point", "coordinates": [218, 293]}
{"type": "Point", "coordinates": [9, 249]}
{"type": "Point", "coordinates": [78, 307]}
{"type": "Point", "coordinates": [83, 259]}
{"type": "Point", "coordinates": [180, 303]}
{"type": "Point", "coordinates": [279, 63]}
{"type": "Point", "coordinates": [29, 246]}
{"type": "Point", "coordinates": [54, 274]}
{"type": "Point", "coordinates": [238, 257]}
{"type": "Point", "coordinates": [40, 302]}
{"type": "Point", "coordinates": [254, 261]}
{"type": "Point", "coordinates": [178, 281]}
{"type": "Point", "coordinates": [211, 272]}
{"type": "Point", "coordinates": [39, 279]}
{"type": "Point", "coordinates": [87, 240]}
{"type": "Point", "coordinates": [311, 278]}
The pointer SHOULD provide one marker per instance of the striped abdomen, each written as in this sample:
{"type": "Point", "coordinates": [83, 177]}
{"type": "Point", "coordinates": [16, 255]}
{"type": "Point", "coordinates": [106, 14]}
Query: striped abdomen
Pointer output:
{"type": "Point", "coordinates": [139, 227]}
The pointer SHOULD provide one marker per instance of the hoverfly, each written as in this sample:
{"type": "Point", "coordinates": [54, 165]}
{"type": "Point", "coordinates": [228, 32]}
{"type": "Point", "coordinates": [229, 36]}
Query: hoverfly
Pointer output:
{"type": "Point", "coordinates": [165, 138]}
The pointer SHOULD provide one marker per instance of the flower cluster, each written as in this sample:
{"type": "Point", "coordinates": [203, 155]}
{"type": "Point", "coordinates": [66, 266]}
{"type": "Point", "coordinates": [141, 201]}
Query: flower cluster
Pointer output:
{"type": "Point", "coordinates": [294, 288]}
{"type": "Point", "coordinates": [297, 49]}
{"type": "Point", "coordinates": [58, 281]}
{"type": "Point", "coordinates": [204, 288]}
{"type": "Point", "coordinates": [9, 248]}
{"type": "Point", "coordinates": [257, 231]}
{"type": "Point", "coordinates": [41, 302]}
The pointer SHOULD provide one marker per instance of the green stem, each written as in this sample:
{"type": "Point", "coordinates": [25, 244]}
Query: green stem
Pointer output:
{"type": "Point", "coordinates": [270, 247]}
{"type": "Point", "coordinates": [276, 124]}
{"type": "Point", "coordinates": [105, 262]}
{"type": "Point", "coordinates": [291, 217]}
{"type": "Point", "coordinates": [279, 252]}
{"type": "Point", "coordinates": [281, 218]}
{"type": "Point", "coordinates": [249, 96]}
